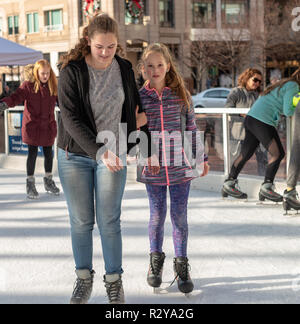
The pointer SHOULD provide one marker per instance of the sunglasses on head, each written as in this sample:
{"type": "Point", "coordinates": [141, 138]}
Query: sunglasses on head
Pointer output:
{"type": "Point", "coordinates": [257, 80]}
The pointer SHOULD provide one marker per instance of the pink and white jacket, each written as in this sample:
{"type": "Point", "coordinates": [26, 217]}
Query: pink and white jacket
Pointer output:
{"type": "Point", "coordinates": [165, 125]}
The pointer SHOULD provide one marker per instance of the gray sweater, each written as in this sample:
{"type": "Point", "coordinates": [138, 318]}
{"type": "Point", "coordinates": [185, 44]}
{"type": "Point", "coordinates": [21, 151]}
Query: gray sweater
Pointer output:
{"type": "Point", "coordinates": [241, 98]}
{"type": "Point", "coordinates": [107, 99]}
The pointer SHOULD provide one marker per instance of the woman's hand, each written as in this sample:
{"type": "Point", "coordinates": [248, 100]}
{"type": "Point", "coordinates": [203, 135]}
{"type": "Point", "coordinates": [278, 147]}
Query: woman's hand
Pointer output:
{"type": "Point", "coordinates": [153, 165]}
{"type": "Point", "coordinates": [112, 162]}
{"type": "Point", "coordinates": [206, 169]}
{"type": "Point", "coordinates": [141, 118]}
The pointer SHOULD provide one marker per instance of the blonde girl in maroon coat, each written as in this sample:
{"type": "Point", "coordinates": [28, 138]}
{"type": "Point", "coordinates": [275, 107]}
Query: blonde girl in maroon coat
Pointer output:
{"type": "Point", "coordinates": [38, 126]}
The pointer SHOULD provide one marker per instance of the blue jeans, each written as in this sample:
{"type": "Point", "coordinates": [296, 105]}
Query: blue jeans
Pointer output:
{"type": "Point", "coordinates": [92, 190]}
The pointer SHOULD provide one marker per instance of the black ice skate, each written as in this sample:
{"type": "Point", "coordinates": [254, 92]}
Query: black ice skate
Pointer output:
{"type": "Point", "coordinates": [182, 275]}
{"type": "Point", "coordinates": [291, 200]}
{"type": "Point", "coordinates": [267, 191]}
{"type": "Point", "coordinates": [83, 287]}
{"type": "Point", "coordinates": [50, 186]}
{"type": "Point", "coordinates": [31, 189]}
{"type": "Point", "coordinates": [114, 289]}
{"type": "Point", "coordinates": [231, 188]}
{"type": "Point", "coordinates": [154, 277]}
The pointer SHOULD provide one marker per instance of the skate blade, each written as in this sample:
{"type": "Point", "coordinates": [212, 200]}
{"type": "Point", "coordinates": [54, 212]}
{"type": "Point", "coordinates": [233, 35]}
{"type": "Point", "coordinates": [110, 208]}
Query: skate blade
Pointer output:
{"type": "Point", "coordinates": [32, 198]}
{"type": "Point", "coordinates": [234, 200]}
{"type": "Point", "coordinates": [53, 194]}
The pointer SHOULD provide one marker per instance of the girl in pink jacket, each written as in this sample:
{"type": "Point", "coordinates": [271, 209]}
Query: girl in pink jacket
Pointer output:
{"type": "Point", "coordinates": [169, 112]}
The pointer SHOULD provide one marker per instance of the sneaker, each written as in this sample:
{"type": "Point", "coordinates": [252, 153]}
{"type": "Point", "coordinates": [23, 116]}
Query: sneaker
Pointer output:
{"type": "Point", "coordinates": [50, 186]}
{"type": "Point", "coordinates": [231, 188]}
{"type": "Point", "coordinates": [83, 287]}
{"type": "Point", "coordinates": [154, 277]}
{"type": "Point", "coordinates": [267, 191]}
{"type": "Point", "coordinates": [114, 289]}
{"type": "Point", "coordinates": [182, 275]}
{"type": "Point", "coordinates": [31, 189]}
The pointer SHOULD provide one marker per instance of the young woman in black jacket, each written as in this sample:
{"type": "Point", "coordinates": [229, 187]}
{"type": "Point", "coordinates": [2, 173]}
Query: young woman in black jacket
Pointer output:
{"type": "Point", "coordinates": [97, 93]}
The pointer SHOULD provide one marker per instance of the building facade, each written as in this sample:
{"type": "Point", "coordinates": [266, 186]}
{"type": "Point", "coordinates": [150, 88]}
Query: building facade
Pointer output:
{"type": "Point", "coordinates": [55, 27]}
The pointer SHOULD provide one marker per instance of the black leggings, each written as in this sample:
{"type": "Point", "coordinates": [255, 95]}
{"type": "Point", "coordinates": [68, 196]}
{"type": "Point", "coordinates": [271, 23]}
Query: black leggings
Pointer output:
{"type": "Point", "coordinates": [31, 159]}
{"type": "Point", "coordinates": [258, 132]}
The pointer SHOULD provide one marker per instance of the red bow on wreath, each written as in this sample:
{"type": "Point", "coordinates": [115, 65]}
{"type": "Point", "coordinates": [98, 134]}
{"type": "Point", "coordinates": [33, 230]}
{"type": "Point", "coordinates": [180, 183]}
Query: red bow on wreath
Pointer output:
{"type": "Point", "coordinates": [137, 2]}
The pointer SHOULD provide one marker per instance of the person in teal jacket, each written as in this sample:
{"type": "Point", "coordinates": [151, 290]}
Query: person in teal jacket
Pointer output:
{"type": "Point", "coordinates": [260, 127]}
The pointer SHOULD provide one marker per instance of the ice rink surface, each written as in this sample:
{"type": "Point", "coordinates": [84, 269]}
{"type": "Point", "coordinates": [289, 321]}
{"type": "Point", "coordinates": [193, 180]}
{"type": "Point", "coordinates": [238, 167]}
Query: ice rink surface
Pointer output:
{"type": "Point", "coordinates": [239, 252]}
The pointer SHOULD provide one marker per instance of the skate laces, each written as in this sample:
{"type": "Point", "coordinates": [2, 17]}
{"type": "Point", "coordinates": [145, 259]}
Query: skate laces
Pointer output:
{"type": "Point", "coordinates": [82, 287]}
{"type": "Point", "coordinates": [113, 290]}
{"type": "Point", "coordinates": [156, 264]}
{"type": "Point", "coordinates": [182, 271]}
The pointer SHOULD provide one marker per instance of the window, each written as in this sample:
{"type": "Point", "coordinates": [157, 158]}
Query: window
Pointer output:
{"type": "Point", "coordinates": [235, 13]}
{"type": "Point", "coordinates": [53, 20]}
{"type": "Point", "coordinates": [213, 94]}
{"type": "Point", "coordinates": [204, 14]}
{"type": "Point", "coordinates": [13, 25]}
{"type": "Point", "coordinates": [46, 56]}
{"type": "Point", "coordinates": [86, 8]}
{"type": "Point", "coordinates": [135, 11]}
{"type": "Point", "coordinates": [166, 13]}
{"type": "Point", "coordinates": [32, 23]}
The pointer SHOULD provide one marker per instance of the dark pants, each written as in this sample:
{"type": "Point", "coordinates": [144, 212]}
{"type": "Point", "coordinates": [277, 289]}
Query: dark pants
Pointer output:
{"type": "Point", "coordinates": [31, 159]}
{"type": "Point", "coordinates": [258, 132]}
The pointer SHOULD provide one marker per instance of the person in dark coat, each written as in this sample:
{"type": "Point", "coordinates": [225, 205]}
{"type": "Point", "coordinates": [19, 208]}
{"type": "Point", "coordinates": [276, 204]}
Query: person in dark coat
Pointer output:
{"type": "Point", "coordinates": [39, 126]}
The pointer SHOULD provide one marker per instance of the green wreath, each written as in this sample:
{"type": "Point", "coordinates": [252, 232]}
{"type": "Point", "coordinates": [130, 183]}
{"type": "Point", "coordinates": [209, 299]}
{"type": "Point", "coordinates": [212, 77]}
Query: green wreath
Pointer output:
{"type": "Point", "coordinates": [135, 8]}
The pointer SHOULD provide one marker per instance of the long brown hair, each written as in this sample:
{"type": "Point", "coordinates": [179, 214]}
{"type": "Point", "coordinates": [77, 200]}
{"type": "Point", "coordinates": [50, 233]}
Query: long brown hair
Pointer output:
{"type": "Point", "coordinates": [295, 78]}
{"type": "Point", "coordinates": [52, 82]}
{"type": "Point", "coordinates": [101, 24]}
{"type": "Point", "coordinates": [173, 78]}
{"type": "Point", "coordinates": [246, 75]}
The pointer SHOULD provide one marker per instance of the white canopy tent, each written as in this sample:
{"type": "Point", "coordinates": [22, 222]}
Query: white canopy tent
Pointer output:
{"type": "Point", "coordinates": [15, 54]}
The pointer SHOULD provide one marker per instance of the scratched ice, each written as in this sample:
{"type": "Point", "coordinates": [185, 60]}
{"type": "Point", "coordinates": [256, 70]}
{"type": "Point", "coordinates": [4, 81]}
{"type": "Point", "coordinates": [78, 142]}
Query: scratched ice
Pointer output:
{"type": "Point", "coordinates": [239, 252]}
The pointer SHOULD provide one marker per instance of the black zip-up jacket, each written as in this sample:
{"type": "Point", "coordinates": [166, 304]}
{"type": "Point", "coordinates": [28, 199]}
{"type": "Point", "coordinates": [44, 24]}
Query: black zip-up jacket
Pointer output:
{"type": "Point", "coordinates": [77, 128]}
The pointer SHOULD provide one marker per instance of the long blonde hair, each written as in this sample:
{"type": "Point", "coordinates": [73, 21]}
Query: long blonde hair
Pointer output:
{"type": "Point", "coordinates": [173, 78]}
{"type": "Point", "coordinates": [52, 82]}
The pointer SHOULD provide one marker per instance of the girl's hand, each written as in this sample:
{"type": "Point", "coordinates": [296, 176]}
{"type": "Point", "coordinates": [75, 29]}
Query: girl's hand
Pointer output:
{"type": "Point", "coordinates": [153, 165]}
{"type": "Point", "coordinates": [112, 162]}
{"type": "Point", "coordinates": [206, 169]}
{"type": "Point", "coordinates": [141, 118]}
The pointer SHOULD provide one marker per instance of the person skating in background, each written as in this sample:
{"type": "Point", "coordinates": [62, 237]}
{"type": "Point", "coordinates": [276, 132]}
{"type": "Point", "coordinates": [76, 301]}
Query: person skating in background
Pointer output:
{"type": "Point", "coordinates": [244, 96]}
{"type": "Point", "coordinates": [290, 196]}
{"type": "Point", "coordinates": [97, 92]}
{"type": "Point", "coordinates": [39, 94]}
{"type": "Point", "coordinates": [260, 127]}
{"type": "Point", "coordinates": [164, 99]}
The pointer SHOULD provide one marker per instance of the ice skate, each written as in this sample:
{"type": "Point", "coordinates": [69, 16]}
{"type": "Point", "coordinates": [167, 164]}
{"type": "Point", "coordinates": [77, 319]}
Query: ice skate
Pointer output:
{"type": "Point", "coordinates": [83, 287]}
{"type": "Point", "coordinates": [31, 189]}
{"type": "Point", "coordinates": [114, 289]}
{"type": "Point", "coordinates": [231, 188]}
{"type": "Point", "coordinates": [267, 191]}
{"type": "Point", "coordinates": [182, 275]}
{"type": "Point", "coordinates": [291, 201]}
{"type": "Point", "coordinates": [50, 186]}
{"type": "Point", "coordinates": [154, 277]}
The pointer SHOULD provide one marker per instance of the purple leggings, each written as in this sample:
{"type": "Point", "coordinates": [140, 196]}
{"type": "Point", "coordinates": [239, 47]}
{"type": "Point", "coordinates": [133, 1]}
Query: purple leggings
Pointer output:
{"type": "Point", "coordinates": [179, 195]}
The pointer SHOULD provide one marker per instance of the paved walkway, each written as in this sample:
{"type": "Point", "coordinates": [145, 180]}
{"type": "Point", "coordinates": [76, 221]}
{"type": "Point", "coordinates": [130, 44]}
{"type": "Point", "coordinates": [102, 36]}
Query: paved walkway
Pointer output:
{"type": "Point", "coordinates": [239, 252]}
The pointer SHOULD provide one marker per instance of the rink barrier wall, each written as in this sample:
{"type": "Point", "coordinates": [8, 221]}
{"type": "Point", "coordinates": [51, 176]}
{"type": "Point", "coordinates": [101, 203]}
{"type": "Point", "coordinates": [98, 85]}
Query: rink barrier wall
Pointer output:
{"type": "Point", "coordinates": [213, 182]}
